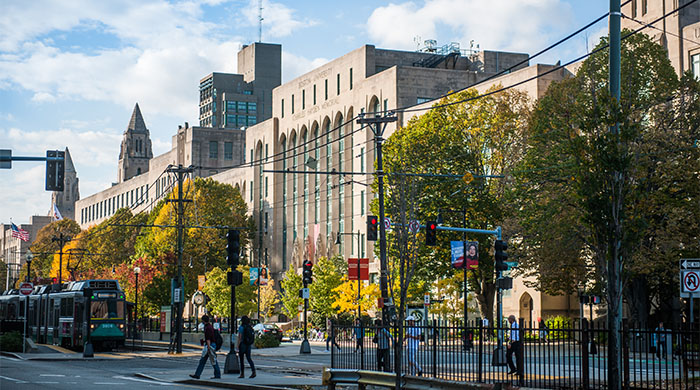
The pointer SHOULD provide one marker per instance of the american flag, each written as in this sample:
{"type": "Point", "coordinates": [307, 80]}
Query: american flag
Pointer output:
{"type": "Point", "coordinates": [19, 233]}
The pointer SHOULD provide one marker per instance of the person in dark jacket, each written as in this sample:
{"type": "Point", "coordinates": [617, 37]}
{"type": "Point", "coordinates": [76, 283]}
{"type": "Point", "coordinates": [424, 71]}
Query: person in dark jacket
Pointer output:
{"type": "Point", "coordinates": [208, 350]}
{"type": "Point", "coordinates": [244, 348]}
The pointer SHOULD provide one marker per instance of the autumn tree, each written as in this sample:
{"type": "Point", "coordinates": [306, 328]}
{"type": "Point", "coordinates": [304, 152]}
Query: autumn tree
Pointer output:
{"type": "Point", "coordinates": [219, 293]}
{"type": "Point", "coordinates": [327, 275]}
{"type": "Point", "coordinates": [464, 133]}
{"type": "Point", "coordinates": [289, 296]}
{"type": "Point", "coordinates": [44, 247]}
{"type": "Point", "coordinates": [269, 298]}
{"type": "Point", "coordinates": [347, 297]}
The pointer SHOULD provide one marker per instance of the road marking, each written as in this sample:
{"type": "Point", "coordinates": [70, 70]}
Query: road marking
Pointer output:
{"type": "Point", "coordinates": [47, 383]}
{"type": "Point", "coordinates": [109, 383]}
{"type": "Point", "coordinates": [144, 380]}
{"type": "Point", "coordinates": [12, 379]}
{"type": "Point", "coordinates": [51, 375]}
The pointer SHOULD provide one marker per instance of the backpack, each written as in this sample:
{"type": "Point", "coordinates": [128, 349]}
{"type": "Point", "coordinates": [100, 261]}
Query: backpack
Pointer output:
{"type": "Point", "coordinates": [248, 335]}
{"type": "Point", "coordinates": [218, 339]}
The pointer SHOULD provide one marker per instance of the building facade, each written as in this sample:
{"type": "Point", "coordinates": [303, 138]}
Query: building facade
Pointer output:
{"type": "Point", "coordinates": [13, 251]}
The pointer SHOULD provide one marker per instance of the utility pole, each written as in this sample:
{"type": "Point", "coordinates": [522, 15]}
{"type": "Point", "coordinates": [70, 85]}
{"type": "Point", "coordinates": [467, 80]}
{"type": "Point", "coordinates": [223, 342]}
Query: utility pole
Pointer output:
{"type": "Point", "coordinates": [180, 171]}
{"type": "Point", "coordinates": [378, 125]}
{"type": "Point", "coordinates": [62, 240]}
{"type": "Point", "coordinates": [614, 268]}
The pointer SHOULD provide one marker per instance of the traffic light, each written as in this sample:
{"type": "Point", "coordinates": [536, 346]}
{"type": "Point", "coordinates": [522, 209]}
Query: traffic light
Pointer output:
{"type": "Point", "coordinates": [430, 233]}
{"type": "Point", "coordinates": [595, 299]}
{"type": "Point", "coordinates": [307, 273]}
{"type": "Point", "coordinates": [372, 225]}
{"type": "Point", "coordinates": [234, 278]}
{"type": "Point", "coordinates": [233, 249]}
{"type": "Point", "coordinates": [55, 170]}
{"type": "Point", "coordinates": [501, 255]}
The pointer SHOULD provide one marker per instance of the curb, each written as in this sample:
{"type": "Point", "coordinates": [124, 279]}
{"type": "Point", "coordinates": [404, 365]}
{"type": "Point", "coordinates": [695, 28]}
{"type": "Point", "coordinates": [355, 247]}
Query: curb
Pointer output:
{"type": "Point", "coordinates": [12, 355]}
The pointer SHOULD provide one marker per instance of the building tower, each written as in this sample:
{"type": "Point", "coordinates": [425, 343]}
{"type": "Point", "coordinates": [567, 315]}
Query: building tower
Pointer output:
{"type": "Point", "coordinates": [65, 200]}
{"type": "Point", "coordinates": [135, 151]}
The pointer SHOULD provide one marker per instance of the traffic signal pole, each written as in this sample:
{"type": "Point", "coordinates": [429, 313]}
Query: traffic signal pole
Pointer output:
{"type": "Point", "coordinates": [378, 124]}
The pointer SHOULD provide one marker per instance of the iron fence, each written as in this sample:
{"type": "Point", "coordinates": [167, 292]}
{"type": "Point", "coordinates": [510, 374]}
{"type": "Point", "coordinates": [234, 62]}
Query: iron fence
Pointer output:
{"type": "Point", "coordinates": [561, 357]}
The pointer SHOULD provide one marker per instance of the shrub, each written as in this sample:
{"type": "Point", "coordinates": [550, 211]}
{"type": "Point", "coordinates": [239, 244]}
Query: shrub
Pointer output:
{"type": "Point", "coordinates": [266, 341]}
{"type": "Point", "coordinates": [11, 342]}
{"type": "Point", "coordinates": [559, 328]}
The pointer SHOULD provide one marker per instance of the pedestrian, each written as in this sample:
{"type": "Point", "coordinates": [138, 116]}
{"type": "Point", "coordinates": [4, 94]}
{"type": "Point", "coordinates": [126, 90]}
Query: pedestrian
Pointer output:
{"type": "Point", "coordinates": [330, 338]}
{"type": "Point", "coordinates": [413, 336]}
{"type": "Point", "coordinates": [246, 339]}
{"type": "Point", "coordinates": [660, 340]}
{"type": "Point", "coordinates": [543, 329]}
{"type": "Point", "coordinates": [358, 333]}
{"type": "Point", "coordinates": [208, 350]}
{"type": "Point", "coordinates": [515, 346]}
{"type": "Point", "coordinates": [384, 339]}
{"type": "Point", "coordinates": [487, 331]}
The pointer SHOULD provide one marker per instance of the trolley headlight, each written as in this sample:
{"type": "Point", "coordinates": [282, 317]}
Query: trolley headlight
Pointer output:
{"type": "Point", "coordinates": [121, 326]}
{"type": "Point", "coordinates": [92, 326]}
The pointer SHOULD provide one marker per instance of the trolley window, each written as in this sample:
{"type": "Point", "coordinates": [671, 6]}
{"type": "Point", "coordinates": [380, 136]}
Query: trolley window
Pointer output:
{"type": "Point", "coordinates": [107, 309]}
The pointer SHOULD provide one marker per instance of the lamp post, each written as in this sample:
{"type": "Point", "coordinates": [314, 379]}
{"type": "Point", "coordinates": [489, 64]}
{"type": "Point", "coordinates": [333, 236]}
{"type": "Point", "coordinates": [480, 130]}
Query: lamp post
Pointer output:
{"type": "Point", "coordinates": [30, 256]}
{"type": "Point", "coordinates": [137, 271]}
{"type": "Point", "coordinates": [359, 281]}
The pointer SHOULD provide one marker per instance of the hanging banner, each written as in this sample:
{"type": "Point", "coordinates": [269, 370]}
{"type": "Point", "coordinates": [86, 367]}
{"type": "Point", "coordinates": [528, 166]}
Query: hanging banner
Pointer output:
{"type": "Point", "coordinates": [263, 275]}
{"type": "Point", "coordinates": [364, 269]}
{"type": "Point", "coordinates": [458, 254]}
{"type": "Point", "coordinates": [253, 276]}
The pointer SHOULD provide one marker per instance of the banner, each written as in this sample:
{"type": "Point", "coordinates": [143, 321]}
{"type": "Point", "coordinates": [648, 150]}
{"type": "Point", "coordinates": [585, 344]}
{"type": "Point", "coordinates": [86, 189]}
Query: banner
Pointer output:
{"type": "Point", "coordinates": [253, 276]}
{"type": "Point", "coordinates": [263, 275]}
{"type": "Point", "coordinates": [458, 254]}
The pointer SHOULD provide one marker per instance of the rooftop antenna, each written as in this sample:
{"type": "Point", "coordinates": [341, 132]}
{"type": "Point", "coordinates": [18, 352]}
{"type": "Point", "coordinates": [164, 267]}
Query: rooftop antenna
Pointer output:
{"type": "Point", "coordinates": [260, 20]}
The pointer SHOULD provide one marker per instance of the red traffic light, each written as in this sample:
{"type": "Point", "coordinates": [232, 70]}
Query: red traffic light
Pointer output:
{"type": "Point", "coordinates": [308, 264]}
{"type": "Point", "coordinates": [373, 221]}
{"type": "Point", "coordinates": [432, 226]}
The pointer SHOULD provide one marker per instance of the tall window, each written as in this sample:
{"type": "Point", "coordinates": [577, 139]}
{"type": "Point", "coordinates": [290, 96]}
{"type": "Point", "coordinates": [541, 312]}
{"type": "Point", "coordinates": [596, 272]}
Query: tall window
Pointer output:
{"type": "Point", "coordinates": [326, 89]}
{"type": "Point", "coordinates": [282, 108]}
{"type": "Point", "coordinates": [634, 8]}
{"type": "Point", "coordinates": [303, 99]}
{"type": "Point", "coordinates": [213, 149]}
{"type": "Point", "coordinates": [317, 180]}
{"type": "Point", "coordinates": [341, 181]}
{"type": "Point", "coordinates": [228, 150]}
{"type": "Point", "coordinates": [695, 65]}
{"type": "Point", "coordinates": [295, 181]}
{"type": "Point", "coordinates": [284, 204]}
{"type": "Point", "coordinates": [350, 78]}
{"type": "Point", "coordinates": [362, 202]}
{"type": "Point", "coordinates": [644, 7]}
{"type": "Point", "coordinates": [292, 103]}
{"type": "Point", "coordinates": [338, 84]}
{"type": "Point", "coordinates": [314, 94]}
{"type": "Point", "coordinates": [305, 211]}
{"type": "Point", "coordinates": [266, 186]}
{"type": "Point", "coordinates": [329, 182]}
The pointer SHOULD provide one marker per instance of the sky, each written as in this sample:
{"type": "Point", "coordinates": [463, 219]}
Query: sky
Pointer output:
{"type": "Point", "coordinates": [71, 71]}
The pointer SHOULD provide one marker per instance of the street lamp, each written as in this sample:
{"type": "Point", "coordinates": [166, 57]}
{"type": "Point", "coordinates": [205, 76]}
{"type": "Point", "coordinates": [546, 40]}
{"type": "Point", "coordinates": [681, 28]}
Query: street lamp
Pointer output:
{"type": "Point", "coordinates": [137, 271]}
{"type": "Point", "coordinates": [30, 256]}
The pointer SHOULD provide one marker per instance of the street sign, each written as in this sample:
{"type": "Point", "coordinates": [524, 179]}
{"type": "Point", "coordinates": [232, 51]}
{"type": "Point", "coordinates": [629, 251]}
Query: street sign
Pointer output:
{"type": "Point", "coordinates": [305, 293]}
{"type": "Point", "coordinates": [26, 288]}
{"type": "Point", "coordinates": [690, 263]}
{"type": "Point", "coordinates": [690, 282]}
{"type": "Point", "coordinates": [177, 295]}
{"type": "Point", "coordinates": [387, 223]}
{"type": "Point", "coordinates": [352, 269]}
{"type": "Point", "coordinates": [413, 226]}
{"type": "Point", "coordinates": [426, 299]}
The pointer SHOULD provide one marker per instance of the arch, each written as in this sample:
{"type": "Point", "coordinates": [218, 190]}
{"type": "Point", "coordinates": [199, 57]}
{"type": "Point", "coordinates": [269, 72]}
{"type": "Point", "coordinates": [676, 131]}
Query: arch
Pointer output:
{"type": "Point", "coordinates": [373, 104]}
{"type": "Point", "coordinates": [526, 310]}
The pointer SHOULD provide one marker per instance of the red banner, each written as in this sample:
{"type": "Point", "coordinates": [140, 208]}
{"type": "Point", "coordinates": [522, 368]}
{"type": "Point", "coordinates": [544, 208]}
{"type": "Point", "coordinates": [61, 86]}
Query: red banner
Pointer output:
{"type": "Point", "coordinates": [352, 269]}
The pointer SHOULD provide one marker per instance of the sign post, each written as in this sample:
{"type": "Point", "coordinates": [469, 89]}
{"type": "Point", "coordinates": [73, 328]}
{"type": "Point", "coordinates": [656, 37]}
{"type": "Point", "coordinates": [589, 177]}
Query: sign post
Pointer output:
{"type": "Point", "coordinates": [690, 281]}
{"type": "Point", "coordinates": [25, 289]}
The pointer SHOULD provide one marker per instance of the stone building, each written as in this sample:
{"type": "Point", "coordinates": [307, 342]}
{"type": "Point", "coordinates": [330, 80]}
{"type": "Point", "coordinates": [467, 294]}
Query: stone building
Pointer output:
{"type": "Point", "coordinates": [13, 251]}
{"type": "Point", "coordinates": [135, 152]}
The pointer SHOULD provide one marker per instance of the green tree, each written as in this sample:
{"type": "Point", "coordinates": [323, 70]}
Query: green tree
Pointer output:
{"type": "Point", "coordinates": [291, 284]}
{"type": "Point", "coordinates": [269, 298]}
{"type": "Point", "coordinates": [219, 293]}
{"type": "Point", "coordinates": [480, 136]}
{"type": "Point", "coordinates": [44, 247]}
{"type": "Point", "coordinates": [576, 173]}
{"type": "Point", "coordinates": [328, 274]}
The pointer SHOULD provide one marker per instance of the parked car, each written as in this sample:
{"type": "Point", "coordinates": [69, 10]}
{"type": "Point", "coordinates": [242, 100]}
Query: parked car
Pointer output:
{"type": "Point", "coordinates": [268, 329]}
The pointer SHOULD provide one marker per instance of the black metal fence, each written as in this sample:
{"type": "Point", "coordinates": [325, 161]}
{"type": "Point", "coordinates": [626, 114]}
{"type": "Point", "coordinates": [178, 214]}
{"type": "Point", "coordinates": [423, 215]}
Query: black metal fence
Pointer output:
{"type": "Point", "coordinates": [554, 358]}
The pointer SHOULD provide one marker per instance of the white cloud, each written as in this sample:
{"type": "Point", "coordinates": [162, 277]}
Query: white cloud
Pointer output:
{"type": "Point", "coordinates": [496, 25]}
{"type": "Point", "coordinates": [147, 64]}
{"type": "Point", "coordinates": [294, 66]}
{"type": "Point", "coordinates": [278, 19]}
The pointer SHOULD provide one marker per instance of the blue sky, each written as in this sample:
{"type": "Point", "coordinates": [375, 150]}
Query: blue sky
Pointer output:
{"type": "Point", "coordinates": [71, 71]}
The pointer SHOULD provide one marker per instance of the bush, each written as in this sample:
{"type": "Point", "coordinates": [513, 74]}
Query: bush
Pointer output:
{"type": "Point", "coordinates": [559, 328]}
{"type": "Point", "coordinates": [11, 342]}
{"type": "Point", "coordinates": [266, 341]}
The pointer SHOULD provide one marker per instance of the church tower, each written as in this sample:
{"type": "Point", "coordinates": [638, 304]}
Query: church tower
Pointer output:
{"type": "Point", "coordinates": [65, 200]}
{"type": "Point", "coordinates": [136, 149]}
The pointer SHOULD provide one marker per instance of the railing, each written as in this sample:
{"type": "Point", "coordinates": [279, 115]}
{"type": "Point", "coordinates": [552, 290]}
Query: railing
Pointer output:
{"type": "Point", "coordinates": [558, 357]}
{"type": "Point", "coordinates": [189, 325]}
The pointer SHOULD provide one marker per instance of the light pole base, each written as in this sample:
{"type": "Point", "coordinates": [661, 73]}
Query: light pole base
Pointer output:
{"type": "Point", "coordinates": [87, 350]}
{"type": "Point", "coordinates": [231, 366]}
{"type": "Point", "coordinates": [305, 347]}
{"type": "Point", "coordinates": [499, 357]}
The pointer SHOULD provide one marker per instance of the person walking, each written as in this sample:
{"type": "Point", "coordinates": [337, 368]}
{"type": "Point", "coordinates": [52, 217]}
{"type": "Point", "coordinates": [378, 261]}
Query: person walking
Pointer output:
{"type": "Point", "coordinates": [208, 351]}
{"type": "Point", "coordinates": [358, 333]}
{"type": "Point", "coordinates": [515, 346]}
{"type": "Point", "coordinates": [384, 339]}
{"type": "Point", "coordinates": [487, 331]}
{"type": "Point", "coordinates": [660, 340]}
{"type": "Point", "coordinates": [246, 339]}
{"type": "Point", "coordinates": [413, 334]}
{"type": "Point", "coordinates": [543, 329]}
{"type": "Point", "coordinates": [330, 336]}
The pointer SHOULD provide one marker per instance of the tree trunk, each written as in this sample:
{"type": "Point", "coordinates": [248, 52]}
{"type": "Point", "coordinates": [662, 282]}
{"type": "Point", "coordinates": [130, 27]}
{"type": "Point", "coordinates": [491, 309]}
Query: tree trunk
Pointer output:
{"type": "Point", "coordinates": [637, 294]}
{"type": "Point", "coordinates": [486, 298]}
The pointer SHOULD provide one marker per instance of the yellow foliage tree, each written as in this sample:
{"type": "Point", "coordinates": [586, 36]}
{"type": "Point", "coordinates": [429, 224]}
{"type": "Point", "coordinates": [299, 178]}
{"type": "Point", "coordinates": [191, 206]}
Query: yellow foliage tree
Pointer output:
{"type": "Point", "coordinates": [268, 299]}
{"type": "Point", "coordinates": [347, 297]}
